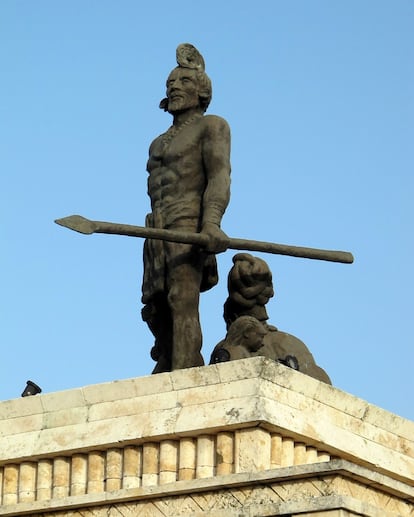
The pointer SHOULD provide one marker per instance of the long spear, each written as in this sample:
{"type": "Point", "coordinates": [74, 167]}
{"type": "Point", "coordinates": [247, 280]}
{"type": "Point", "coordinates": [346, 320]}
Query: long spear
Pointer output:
{"type": "Point", "coordinates": [86, 226]}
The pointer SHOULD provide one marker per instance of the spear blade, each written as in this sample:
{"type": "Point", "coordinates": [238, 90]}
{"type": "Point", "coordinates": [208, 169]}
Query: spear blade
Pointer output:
{"type": "Point", "coordinates": [87, 227]}
{"type": "Point", "coordinates": [78, 224]}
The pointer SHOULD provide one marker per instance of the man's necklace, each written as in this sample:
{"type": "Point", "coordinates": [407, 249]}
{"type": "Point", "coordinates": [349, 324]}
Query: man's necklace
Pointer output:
{"type": "Point", "coordinates": [173, 131]}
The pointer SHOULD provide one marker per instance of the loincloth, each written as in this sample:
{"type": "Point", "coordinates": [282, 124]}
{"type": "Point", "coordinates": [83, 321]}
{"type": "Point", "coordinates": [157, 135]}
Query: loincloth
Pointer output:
{"type": "Point", "coordinates": [160, 257]}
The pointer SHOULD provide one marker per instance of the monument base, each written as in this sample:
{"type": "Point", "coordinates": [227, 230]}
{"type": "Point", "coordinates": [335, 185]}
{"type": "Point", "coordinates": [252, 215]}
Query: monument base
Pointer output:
{"type": "Point", "coordinates": [244, 438]}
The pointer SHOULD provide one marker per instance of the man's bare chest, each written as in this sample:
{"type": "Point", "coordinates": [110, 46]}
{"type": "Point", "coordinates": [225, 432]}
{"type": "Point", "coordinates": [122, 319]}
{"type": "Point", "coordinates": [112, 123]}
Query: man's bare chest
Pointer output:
{"type": "Point", "coordinates": [176, 150]}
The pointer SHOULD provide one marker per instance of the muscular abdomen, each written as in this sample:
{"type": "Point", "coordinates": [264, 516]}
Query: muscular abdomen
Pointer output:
{"type": "Point", "coordinates": [174, 196]}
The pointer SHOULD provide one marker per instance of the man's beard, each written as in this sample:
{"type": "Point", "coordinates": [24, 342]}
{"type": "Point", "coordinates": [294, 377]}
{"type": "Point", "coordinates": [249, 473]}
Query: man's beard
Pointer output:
{"type": "Point", "coordinates": [180, 104]}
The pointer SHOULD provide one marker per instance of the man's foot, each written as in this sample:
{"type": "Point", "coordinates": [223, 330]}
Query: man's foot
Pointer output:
{"type": "Point", "coordinates": [163, 365]}
{"type": "Point", "coordinates": [187, 361]}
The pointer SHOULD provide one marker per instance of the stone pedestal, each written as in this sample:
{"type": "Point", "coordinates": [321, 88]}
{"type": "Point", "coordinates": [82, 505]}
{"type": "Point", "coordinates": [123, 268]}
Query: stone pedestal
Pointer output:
{"type": "Point", "coordinates": [245, 438]}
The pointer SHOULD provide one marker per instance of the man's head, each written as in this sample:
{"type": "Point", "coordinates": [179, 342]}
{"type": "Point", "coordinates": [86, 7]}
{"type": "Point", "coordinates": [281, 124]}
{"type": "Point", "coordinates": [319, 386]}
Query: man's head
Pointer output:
{"type": "Point", "coordinates": [188, 86]}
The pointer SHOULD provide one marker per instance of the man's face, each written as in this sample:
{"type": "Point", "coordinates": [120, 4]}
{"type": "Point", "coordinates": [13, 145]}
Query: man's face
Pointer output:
{"type": "Point", "coordinates": [182, 90]}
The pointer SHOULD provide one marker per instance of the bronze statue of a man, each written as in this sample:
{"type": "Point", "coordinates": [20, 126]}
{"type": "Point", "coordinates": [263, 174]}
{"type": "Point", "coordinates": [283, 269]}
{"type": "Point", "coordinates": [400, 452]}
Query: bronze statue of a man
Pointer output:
{"type": "Point", "coordinates": [189, 188]}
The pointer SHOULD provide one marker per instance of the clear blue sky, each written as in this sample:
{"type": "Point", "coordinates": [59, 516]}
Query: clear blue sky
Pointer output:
{"type": "Point", "coordinates": [319, 97]}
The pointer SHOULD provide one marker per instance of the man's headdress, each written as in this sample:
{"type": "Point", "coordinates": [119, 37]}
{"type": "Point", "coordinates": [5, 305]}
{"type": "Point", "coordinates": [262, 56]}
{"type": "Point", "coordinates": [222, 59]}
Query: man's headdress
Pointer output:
{"type": "Point", "coordinates": [189, 57]}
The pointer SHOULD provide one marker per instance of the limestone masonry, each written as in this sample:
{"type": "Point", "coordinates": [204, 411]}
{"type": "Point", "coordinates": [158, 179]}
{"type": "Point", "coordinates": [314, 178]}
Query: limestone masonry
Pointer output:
{"type": "Point", "coordinates": [243, 438]}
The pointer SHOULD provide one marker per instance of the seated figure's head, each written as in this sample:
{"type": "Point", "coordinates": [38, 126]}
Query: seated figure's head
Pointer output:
{"type": "Point", "coordinates": [247, 332]}
{"type": "Point", "coordinates": [188, 86]}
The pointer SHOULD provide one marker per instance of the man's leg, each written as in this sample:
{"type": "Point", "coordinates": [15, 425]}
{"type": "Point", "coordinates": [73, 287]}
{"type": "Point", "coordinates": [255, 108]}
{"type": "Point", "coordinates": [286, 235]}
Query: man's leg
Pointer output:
{"type": "Point", "coordinates": [184, 279]}
{"type": "Point", "coordinates": [157, 315]}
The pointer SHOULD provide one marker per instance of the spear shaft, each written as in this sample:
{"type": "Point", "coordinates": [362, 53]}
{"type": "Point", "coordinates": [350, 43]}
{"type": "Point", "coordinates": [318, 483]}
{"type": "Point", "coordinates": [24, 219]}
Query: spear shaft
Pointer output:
{"type": "Point", "coordinates": [86, 226]}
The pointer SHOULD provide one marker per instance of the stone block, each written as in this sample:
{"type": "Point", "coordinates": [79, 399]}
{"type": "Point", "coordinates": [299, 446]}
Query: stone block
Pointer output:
{"type": "Point", "coordinates": [168, 466]}
{"type": "Point", "coordinates": [65, 417]}
{"type": "Point", "coordinates": [27, 482]}
{"type": "Point", "coordinates": [79, 474]}
{"type": "Point", "coordinates": [44, 480]}
{"type": "Point", "coordinates": [113, 469]}
{"type": "Point", "coordinates": [153, 384]}
{"type": "Point", "coordinates": [132, 471]}
{"type": "Point", "coordinates": [205, 461]}
{"type": "Point", "coordinates": [187, 397]}
{"type": "Point", "coordinates": [133, 406]}
{"type": "Point", "coordinates": [195, 378]}
{"type": "Point", "coordinates": [252, 450]}
{"type": "Point", "coordinates": [62, 400]}
{"type": "Point", "coordinates": [18, 425]}
{"type": "Point", "coordinates": [61, 477]}
{"type": "Point", "coordinates": [96, 472]}
{"type": "Point", "coordinates": [20, 407]}
{"type": "Point", "coordinates": [107, 392]}
{"type": "Point", "coordinates": [187, 459]}
{"type": "Point", "coordinates": [224, 453]}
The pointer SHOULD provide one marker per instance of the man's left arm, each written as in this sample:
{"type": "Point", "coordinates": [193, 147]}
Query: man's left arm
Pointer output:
{"type": "Point", "coordinates": [216, 161]}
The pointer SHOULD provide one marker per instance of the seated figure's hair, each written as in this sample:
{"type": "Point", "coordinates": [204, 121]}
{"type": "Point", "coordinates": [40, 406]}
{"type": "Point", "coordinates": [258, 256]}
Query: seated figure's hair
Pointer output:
{"type": "Point", "coordinates": [250, 287]}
